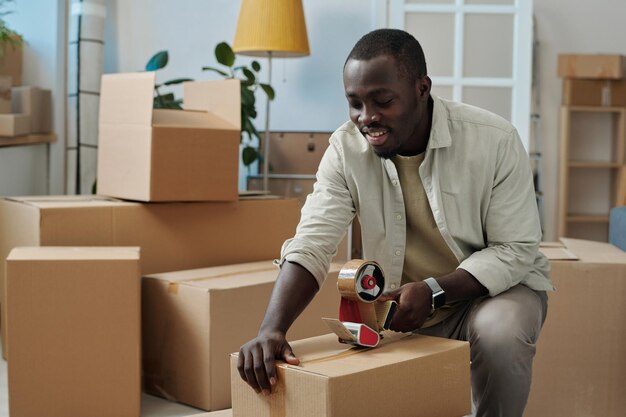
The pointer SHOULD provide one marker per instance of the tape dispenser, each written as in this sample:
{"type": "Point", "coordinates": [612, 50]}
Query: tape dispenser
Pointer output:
{"type": "Point", "coordinates": [362, 317]}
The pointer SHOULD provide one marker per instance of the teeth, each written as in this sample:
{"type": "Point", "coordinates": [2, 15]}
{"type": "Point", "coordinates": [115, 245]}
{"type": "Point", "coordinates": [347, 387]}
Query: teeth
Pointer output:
{"type": "Point", "coordinates": [376, 134]}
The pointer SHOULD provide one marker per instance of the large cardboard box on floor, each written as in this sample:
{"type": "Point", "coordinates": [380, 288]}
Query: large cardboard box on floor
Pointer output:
{"type": "Point", "coordinates": [599, 66]}
{"type": "Point", "coordinates": [151, 154]}
{"type": "Point", "coordinates": [580, 366]}
{"type": "Point", "coordinates": [172, 236]}
{"type": "Point", "coordinates": [415, 376]}
{"type": "Point", "coordinates": [74, 332]}
{"type": "Point", "coordinates": [192, 321]}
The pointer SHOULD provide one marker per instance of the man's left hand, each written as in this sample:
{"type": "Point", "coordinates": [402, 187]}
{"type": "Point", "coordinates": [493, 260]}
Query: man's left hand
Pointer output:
{"type": "Point", "coordinates": [414, 304]}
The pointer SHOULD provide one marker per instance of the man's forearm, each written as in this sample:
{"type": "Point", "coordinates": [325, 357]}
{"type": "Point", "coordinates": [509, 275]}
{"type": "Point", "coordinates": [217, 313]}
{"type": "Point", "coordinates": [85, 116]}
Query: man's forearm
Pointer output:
{"type": "Point", "coordinates": [461, 285]}
{"type": "Point", "coordinates": [293, 291]}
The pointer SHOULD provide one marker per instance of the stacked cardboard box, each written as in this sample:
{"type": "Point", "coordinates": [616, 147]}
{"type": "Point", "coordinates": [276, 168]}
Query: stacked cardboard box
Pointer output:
{"type": "Point", "coordinates": [172, 236]}
{"type": "Point", "coordinates": [74, 332]}
{"type": "Point", "coordinates": [580, 367]}
{"type": "Point", "coordinates": [413, 376]}
{"type": "Point", "coordinates": [148, 154]}
{"type": "Point", "coordinates": [194, 319]}
{"type": "Point", "coordinates": [593, 79]}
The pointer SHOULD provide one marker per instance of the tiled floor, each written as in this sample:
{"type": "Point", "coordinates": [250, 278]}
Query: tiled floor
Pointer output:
{"type": "Point", "coordinates": [150, 406]}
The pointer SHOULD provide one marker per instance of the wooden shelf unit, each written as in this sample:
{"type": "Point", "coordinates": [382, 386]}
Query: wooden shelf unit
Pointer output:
{"type": "Point", "coordinates": [32, 139]}
{"type": "Point", "coordinates": [571, 165]}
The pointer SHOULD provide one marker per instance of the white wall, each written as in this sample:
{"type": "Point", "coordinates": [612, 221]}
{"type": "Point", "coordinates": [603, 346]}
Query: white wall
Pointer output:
{"type": "Point", "coordinates": [23, 170]}
{"type": "Point", "coordinates": [564, 27]}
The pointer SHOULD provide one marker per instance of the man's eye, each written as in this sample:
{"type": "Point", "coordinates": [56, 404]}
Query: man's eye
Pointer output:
{"type": "Point", "coordinates": [384, 102]}
{"type": "Point", "coordinates": [355, 105]}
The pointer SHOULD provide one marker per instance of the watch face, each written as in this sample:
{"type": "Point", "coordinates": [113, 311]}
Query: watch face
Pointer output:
{"type": "Point", "coordinates": [370, 282]}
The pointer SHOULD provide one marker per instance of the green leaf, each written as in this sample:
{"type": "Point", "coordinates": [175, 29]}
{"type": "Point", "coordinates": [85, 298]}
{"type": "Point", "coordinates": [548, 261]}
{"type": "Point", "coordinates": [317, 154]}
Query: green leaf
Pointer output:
{"type": "Point", "coordinates": [249, 155]}
{"type": "Point", "coordinates": [249, 75]}
{"type": "Point", "coordinates": [216, 70]}
{"type": "Point", "coordinates": [177, 81]}
{"type": "Point", "coordinates": [224, 54]}
{"type": "Point", "coordinates": [256, 66]}
{"type": "Point", "coordinates": [158, 61]}
{"type": "Point", "coordinates": [247, 97]}
{"type": "Point", "coordinates": [268, 90]}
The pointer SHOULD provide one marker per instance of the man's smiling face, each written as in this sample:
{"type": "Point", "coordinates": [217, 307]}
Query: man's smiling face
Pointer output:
{"type": "Point", "coordinates": [389, 109]}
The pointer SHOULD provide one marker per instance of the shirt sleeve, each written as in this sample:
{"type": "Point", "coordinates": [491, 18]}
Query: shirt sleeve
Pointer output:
{"type": "Point", "coordinates": [511, 226]}
{"type": "Point", "coordinates": [325, 217]}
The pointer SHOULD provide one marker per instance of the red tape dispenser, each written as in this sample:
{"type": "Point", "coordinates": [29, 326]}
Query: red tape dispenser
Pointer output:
{"type": "Point", "coordinates": [361, 316]}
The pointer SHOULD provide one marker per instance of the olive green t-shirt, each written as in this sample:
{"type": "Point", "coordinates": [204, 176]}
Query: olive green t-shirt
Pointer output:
{"type": "Point", "coordinates": [427, 254]}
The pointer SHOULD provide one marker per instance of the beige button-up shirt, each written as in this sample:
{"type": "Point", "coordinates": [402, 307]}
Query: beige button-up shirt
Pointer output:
{"type": "Point", "coordinates": [478, 180]}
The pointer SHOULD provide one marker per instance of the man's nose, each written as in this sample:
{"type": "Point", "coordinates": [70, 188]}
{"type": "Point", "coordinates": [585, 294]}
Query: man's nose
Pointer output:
{"type": "Point", "coordinates": [368, 115]}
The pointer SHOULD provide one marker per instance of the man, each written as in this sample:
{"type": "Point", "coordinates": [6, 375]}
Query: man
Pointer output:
{"type": "Point", "coordinates": [443, 190]}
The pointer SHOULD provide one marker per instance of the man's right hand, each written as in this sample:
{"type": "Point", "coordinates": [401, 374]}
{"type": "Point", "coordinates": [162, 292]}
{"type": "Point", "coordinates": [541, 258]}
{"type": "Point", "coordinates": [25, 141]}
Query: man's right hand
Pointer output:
{"type": "Point", "coordinates": [257, 360]}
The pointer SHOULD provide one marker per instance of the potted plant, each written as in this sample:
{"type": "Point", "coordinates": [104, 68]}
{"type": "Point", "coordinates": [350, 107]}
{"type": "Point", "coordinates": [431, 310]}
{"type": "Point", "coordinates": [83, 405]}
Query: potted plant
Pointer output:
{"type": "Point", "coordinates": [10, 48]}
{"type": "Point", "coordinates": [168, 100]}
{"type": "Point", "coordinates": [249, 85]}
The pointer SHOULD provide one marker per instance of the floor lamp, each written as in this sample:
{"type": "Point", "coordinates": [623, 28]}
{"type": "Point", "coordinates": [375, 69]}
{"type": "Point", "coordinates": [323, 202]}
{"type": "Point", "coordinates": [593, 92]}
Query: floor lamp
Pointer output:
{"type": "Point", "coordinates": [272, 29]}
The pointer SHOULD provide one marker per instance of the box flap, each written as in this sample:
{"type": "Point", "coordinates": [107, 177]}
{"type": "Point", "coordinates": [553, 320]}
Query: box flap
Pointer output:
{"type": "Point", "coordinates": [221, 97]}
{"type": "Point", "coordinates": [189, 119]}
{"type": "Point", "coordinates": [554, 253]}
{"type": "Point", "coordinates": [63, 253]}
{"type": "Point", "coordinates": [127, 98]}
{"type": "Point", "coordinates": [64, 201]}
{"type": "Point", "coordinates": [597, 252]}
{"type": "Point", "coordinates": [221, 276]}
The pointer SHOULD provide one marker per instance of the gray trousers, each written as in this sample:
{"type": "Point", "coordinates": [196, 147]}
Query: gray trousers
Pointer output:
{"type": "Point", "coordinates": [502, 332]}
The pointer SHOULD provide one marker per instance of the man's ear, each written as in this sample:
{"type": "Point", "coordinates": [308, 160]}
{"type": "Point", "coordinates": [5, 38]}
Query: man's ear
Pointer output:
{"type": "Point", "coordinates": [422, 87]}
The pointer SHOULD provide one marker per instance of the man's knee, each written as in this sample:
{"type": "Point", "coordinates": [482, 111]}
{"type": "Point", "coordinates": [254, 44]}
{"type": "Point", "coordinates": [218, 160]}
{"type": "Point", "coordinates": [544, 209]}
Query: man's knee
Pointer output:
{"type": "Point", "coordinates": [506, 326]}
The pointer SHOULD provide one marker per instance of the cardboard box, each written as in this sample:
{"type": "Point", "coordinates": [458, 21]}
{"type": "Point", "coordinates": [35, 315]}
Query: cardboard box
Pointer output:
{"type": "Point", "coordinates": [5, 94]}
{"type": "Point", "coordinates": [74, 332]}
{"type": "Point", "coordinates": [220, 413]}
{"type": "Point", "coordinates": [300, 188]}
{"type": "Point", "coordinates": [594, 92]}
{"type": "Point", "coordinates": [192, 321]}
{"type": "Point", "coordinates": [14, 124]}
{"type": "Point", "coordinates": [36, 103]}
{"type": "Point", "coordinates": [151, 154]}
{"type": "Point", "coordinates": [296, 152]}
{"type": "Point", "coordinates": [416, 376]}
{"type": "Point", "coordinates": [172, 236]}
{"type": "Point", "coordinates": [580, 366]}
{"type": "Point", "coordinates": [599, 66]}
{"type": "Point", "coordinates": [11, 60]}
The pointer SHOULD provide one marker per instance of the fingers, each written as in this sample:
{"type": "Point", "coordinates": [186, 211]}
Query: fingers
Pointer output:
{"type": "Point", "coordinates": [391, 295]}
{"type": "Point", "coordinates": [260, 373]}
{"type": "Point", "coordinates": [245, 366]}
{"type": "Point", "coordinates": [289, 357]}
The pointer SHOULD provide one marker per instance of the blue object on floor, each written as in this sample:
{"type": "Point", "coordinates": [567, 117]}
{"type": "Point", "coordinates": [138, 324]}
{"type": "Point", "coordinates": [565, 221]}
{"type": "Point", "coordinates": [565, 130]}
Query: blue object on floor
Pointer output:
{"type": "Point", "coordinates": [617, 227]}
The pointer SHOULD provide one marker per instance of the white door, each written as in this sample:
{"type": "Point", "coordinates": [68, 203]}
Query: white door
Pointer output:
{"type": "Point", "coordinates": [477, 51]}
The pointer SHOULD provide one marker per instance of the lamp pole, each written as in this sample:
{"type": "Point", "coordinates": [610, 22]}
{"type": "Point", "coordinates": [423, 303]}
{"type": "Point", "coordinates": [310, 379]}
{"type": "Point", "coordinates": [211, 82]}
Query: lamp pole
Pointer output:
{"type": "Point", "coordinates": [266, 141]}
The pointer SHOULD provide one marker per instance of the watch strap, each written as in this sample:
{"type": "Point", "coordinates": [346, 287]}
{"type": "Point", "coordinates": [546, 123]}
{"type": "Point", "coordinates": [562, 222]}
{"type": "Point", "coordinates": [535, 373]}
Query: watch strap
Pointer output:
{"type": "Point", "coordinates": [438, 296]}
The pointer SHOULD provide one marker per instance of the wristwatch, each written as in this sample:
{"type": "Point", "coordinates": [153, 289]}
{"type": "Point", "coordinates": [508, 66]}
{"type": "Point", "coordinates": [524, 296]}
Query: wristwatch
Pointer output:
{"type": "Point", "coordinates": [439, 295]}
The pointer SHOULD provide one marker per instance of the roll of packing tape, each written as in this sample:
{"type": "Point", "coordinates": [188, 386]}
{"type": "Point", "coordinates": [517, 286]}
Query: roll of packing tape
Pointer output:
{"type": "Point", "coordinates": [361, 280]}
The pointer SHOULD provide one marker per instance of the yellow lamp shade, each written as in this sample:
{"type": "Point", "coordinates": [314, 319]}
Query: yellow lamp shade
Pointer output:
{"type": "Point", "coordinates": [275, 26]}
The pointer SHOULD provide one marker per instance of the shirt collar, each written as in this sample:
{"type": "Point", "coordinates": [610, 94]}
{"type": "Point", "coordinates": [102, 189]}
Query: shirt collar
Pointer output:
{"type": "Point", "coordinates": [439, 131]}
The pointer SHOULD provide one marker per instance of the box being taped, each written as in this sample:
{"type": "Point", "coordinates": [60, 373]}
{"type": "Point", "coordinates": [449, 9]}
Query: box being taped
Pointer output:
{"type": "Point", "coordinates": [165, 154]}
{"type": "Point", "coordinates": [172, 236]}
{"type": "Point", "coordinates": [580, 366]}
{"type": "Point", "coordinates": [414, 376]}
{"type": "Point", "coordinates": [192, 321]}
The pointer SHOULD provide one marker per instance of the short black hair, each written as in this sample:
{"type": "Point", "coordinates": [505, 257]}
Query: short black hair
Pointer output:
{"type": "Point", "coordinates": [406, 50]}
